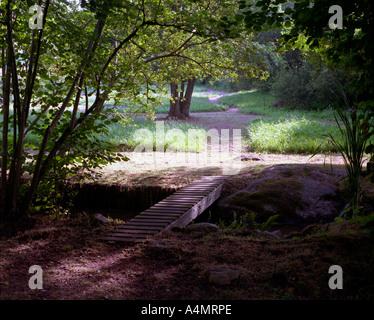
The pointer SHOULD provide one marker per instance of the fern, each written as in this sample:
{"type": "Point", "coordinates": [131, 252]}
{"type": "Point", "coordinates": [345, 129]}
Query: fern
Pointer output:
{"type": "Point", "coordinates": [264, 225]}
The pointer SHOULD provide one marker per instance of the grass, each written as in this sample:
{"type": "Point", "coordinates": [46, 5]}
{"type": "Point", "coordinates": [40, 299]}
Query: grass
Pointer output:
{"type": "Point", "coordinates": [291, 135]}
{"type": "Point", "coordinates": [142, 132]}
{"type": "Point", "coordinates": [284, 130]}
{"type": "Point", "coordinates": [249, 101]}
{"type": "Point", "coordinates": [258, 103]}
{"type": "Point", "coordinates": [128, 135]}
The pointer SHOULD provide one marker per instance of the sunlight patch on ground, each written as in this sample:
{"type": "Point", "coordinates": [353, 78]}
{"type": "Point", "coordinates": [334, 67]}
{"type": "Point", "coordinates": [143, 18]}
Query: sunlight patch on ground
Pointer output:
{"type": "Point", "coordinates": [176, 170]}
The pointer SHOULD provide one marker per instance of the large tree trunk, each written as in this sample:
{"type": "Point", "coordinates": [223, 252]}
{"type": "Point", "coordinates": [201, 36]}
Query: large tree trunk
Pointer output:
{"type": "Point", "coordinates": [187, 97]}
{"type": "Point", "coordinates": [180, 102]}
{"type": "Point", "coordinates": [174, 111]}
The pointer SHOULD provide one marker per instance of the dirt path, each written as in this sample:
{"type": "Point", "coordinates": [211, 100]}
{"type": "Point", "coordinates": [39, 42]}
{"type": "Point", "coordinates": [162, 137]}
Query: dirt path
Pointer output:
{"type": "Point", "coordinates": [78, 266]}
{"type": "Point", "coordinates": [229, 119]}
{"type": "Point", "coordinates": [216, 95]}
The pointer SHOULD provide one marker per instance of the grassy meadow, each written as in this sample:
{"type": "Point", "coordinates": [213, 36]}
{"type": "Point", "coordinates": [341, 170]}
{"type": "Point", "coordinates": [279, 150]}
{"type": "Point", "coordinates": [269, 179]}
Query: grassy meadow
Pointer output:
{"type": "Point", "coordinates": [280, 130]}
{"type": "Point", "coordinates": [284, 129]}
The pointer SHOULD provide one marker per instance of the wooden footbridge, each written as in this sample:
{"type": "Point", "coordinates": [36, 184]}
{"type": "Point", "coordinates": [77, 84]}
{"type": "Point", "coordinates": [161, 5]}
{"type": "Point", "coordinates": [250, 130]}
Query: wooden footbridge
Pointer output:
{"type": "Point", "coordinates": [177, 210]}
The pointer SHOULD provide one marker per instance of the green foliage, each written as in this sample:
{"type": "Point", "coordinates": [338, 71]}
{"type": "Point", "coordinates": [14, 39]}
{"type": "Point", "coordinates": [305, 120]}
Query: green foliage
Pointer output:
{"type": "Point", "coordinates": [244, 221]}
{"type": "Point", "coordinates": [247, 77]}
{"type": "Point", "coordinates": [230, 85]}
{"type": "Point", "coordinates": [77, 159]}
{"type": "Point", "coordinates": [238, 223]}
{"type": "Point", "coordinates": [305, 87]}
{"type": "Point", "coordinates": [306, 26]}
{"type": "Point", "coordinates": [258, 102]}
{"type": "Point", "coordinates": [355, 133]}
{"type": "Point", "coordinates": [266, 225]}
{"type": "Point", "coordinates": [363, 220]}
{"type": "Point", "coordinates": [84, 51]}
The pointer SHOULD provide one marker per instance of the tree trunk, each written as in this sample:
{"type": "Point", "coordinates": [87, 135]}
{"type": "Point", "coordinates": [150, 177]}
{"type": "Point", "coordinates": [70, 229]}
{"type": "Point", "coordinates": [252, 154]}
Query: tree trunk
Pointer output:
{"type": "Point", "coordinates": [4, 149]}
{"type": "Point", "coordinates": [12, 182]}
{"type": "Point", "coordinates": [180, 103]}
{"type": "Point", "coordinates": [181, 97]}
{"type": "Point", "coordinates": [41, 163]}
{"type": "Point", "coordinates": [174, 111]}
{"type": "Point", "coordinates": [187, 97]}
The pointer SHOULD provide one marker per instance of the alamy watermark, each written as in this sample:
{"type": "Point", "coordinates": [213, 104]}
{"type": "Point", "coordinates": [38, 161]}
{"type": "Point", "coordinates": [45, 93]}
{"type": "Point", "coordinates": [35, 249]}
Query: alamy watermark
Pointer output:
{"type": "Point", "coordinates": [336, 21]}
{"type": "Point", "coordinates": [196, 146]}
{"type": "Point", "coordinates": [336, 281]}
{"type": "Point", "coordinates": [36, 21]}
{"type": "Point", "coordinates": [36, 280]}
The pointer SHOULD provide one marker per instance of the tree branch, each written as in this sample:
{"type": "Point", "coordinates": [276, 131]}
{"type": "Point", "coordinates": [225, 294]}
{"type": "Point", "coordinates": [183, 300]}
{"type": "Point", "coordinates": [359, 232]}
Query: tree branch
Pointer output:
{"type": "Point", "coordinates": [171, 54]}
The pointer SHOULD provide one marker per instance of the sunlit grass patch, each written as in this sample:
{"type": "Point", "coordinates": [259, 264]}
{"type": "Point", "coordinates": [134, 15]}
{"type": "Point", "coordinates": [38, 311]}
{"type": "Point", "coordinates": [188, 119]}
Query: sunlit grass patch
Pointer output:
{"type": "Point", "coordinates": [290, 135]}
{"type": "Point", "coordinates": [258, 102]}
{"type": "Point", "coordinates": [144, 132]}
{"type": "Point", "coordinates": [249, 101]}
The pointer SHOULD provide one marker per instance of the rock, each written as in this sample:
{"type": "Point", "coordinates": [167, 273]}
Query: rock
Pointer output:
{"type": "Point", "coordinates": [295, 193]}
{"type": "Point", "coordinates": [223, 276]}
{"type": "Point", "coordinates": [202, 227]}
{"type": "Point", "coordinates": [101, 218]}
{"type": "Point", "coordinates": [248, 158]}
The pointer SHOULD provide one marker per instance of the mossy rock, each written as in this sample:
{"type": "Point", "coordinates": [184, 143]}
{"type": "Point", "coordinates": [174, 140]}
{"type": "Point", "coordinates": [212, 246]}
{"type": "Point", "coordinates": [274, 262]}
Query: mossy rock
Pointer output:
{"type": "Point", "coordinates": [273, 198]}
{"type": "Point", "coordinates": [291, 192]}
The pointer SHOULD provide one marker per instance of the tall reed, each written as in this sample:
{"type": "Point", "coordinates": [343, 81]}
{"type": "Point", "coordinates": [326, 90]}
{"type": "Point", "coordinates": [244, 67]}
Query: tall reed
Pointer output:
{"type": "Point", "coordinates": [354, 129]}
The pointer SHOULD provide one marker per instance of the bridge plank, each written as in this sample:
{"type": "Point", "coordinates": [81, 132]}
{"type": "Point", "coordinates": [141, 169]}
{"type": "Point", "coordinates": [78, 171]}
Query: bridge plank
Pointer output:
{"type": "Point", "coordinates": [177, 210]}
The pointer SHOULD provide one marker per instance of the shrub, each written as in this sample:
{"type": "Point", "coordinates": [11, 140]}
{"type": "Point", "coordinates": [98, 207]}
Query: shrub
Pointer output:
{"type": "Point", "coordinates": [230, 85]}
{"type": "Point", "coordinates": [309, 85]}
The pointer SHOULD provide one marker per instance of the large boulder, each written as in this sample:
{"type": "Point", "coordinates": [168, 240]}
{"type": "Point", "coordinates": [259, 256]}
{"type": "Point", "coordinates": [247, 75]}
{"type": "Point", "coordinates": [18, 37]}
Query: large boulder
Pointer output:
{"type": "Point", "coordinates": [293, 192]}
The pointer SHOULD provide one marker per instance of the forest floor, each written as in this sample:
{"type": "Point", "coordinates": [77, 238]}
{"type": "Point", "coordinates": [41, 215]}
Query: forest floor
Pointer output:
{"type": "Point", "coordinates": [77, 265]}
